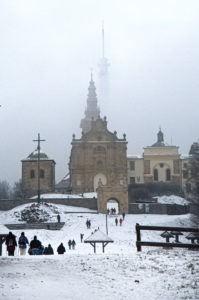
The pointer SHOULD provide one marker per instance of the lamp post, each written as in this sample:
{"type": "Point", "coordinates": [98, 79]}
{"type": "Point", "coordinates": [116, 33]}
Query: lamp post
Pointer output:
{"type": "Point", "coordinates": [106, 223]}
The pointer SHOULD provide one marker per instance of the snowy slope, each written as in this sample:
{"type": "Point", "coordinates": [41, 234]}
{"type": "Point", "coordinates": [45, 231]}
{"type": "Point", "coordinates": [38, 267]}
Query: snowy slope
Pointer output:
{"type": "Point", "coordinates": [119, 273]}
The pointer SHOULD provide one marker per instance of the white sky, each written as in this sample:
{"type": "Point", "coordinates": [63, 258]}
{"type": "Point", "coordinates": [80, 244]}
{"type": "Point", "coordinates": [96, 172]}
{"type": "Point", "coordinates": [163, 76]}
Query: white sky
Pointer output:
{"type": "Point", "coordinates": [47, 50]}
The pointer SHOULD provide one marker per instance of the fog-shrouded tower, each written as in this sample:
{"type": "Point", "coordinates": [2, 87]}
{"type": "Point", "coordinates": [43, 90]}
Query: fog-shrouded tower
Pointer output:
{"type": "Point", "coordinates": [92, 111]}
{"type": "Point", "coordinates": [103, 64]}
{"type": "Point", "coordinates": [103, 75]}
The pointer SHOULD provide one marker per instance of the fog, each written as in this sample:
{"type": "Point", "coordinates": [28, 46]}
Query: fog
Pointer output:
{"type": "Point", "coordinates": [48, 49]}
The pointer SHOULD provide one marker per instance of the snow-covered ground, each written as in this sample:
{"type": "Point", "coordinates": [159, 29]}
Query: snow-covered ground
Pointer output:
{"type": "Point", "coordinates": [119, 273]}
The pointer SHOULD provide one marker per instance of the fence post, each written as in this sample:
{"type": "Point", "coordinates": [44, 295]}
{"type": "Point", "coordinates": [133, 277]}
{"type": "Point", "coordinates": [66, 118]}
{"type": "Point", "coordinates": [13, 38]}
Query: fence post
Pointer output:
{"type": "Point", "coordinates": [138, 234]}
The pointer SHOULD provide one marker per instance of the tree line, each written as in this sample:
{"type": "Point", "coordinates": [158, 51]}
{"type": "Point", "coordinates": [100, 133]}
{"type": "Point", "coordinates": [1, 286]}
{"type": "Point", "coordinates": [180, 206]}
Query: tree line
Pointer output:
{"type": "Point", "coordinates": [10, 192]}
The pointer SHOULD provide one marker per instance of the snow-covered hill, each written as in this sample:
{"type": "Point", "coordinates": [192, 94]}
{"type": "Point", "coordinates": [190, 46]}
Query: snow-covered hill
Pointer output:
{"type": "Point", "coordinates": [119, 273]}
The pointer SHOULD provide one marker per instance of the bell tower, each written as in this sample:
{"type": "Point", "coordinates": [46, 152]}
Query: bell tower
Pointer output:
{"type": "Point", "coordinates": [92, 111]}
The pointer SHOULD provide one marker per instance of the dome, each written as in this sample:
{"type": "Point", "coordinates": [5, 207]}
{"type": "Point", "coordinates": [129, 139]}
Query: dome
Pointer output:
{"type": "Point", "coordinates": [34, 155]}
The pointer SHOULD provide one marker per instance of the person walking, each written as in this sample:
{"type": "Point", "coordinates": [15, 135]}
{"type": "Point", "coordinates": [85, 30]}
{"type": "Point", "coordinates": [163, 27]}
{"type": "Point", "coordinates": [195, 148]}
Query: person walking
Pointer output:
{"type": "Point", "coordinates": [48, 250]}
{"type": "Point", "coordinates": [123, 216]}
{"type": "Point", "coordinates": [69, 244]}
{"type": "Point", "coordinates": [35, 247]}
{"type": "Point", "coordinates": [58, 218]}
{"type": "Point", "coordinates": [11, 243]}
{"type": "Point", "coordinates": [81, 237]}
{"type": "Point", "coordinates": [120, 221]}
{"type": "Point", "coordinates": [116, 221]}
{"type": "Point", "coordinates": [73, 244]}
{"type": "Point", "coordinates": [61, 249]}
{"type": "Point", "coordinates": [22, 242]}
{"type": "Point", "coordinates": [87, 223]}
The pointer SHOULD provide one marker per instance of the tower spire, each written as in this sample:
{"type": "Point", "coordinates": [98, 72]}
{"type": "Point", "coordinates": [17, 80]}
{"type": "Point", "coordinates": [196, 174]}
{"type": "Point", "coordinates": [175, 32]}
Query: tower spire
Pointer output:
{"type": "Point", "coordinates": [92, 111]}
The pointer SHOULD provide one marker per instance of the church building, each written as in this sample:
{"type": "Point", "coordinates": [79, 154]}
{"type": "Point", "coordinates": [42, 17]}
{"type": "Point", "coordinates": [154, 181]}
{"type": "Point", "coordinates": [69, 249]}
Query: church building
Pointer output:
{"type": "Point", "coordinates": [98, 159]}
{"type": "Point", "coordinates": [160, 163]}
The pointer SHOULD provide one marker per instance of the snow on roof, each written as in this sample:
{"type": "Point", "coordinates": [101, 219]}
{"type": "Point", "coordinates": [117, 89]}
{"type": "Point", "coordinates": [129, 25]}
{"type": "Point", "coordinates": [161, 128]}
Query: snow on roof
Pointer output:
{"type": "Point", "coordinates": [66, 196]}
{"type": "Point", "coordinates": [98, 236]}
{"type": "Point", "coordinates": [172, 200]}
{"type": "Point", "coordinates": [134, 156]}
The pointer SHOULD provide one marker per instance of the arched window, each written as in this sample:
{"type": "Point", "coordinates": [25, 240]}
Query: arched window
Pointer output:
{"type": "Point", "coordinates": [99, 164]}
{"type": "Point", "coordinates": [32, 174]}
{"type": "Point", "coordinates": [155, 175]}
{"type": "Point", "coordinates": [41, 173]}
{"type": "Point", "coordinates": [168, 175]}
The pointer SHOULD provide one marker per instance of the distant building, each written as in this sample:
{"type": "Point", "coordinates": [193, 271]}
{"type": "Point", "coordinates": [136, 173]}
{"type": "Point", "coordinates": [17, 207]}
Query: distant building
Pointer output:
{"type": "Point", "coordinates": [30, 174]}
{"type": "Point", "coordinates": [160, 163]}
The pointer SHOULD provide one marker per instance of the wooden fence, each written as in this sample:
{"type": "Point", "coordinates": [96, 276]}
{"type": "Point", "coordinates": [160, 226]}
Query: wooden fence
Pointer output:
{"type": "Point", "coordinates": [140, 243]}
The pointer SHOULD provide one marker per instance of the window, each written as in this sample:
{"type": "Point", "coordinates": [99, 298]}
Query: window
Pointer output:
{"type": "Point", "coordinates": [155, 175]}
{"type": "Point", "coordinates": [32, 174]}
{"type": "Point", "coordinates": [185, 165]}
{"type": "Point", "coordinates": [132, 180]}
{"type": "Point", "coordinates": [185, 174]}
{"type": "Point", "coordinates": [99, 164]}
{"type": "Point", "coordinates": [161, 165]}
{"type": "Point", "coordinates": [168, 175]}
{"type": "Point", "coordinates": [41, 173]}
{"type": "Point", "coordinates": [132, 165]}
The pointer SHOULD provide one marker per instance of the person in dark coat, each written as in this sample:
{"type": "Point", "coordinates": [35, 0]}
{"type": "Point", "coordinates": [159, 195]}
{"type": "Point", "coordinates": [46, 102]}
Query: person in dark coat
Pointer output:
{"type": "Point", "coordinates": [35, 246]}
{"type": "Point", "coordinates": [61, 249]}
{"type": "Point", "coordinates": [123, 216]}
{"type": "Point", "coordinates": [48, 250]}
{"type": "Point", "coordinates": [116, 221]}
{"type": "Point", "coordinates": [58, 218]}
{"type": "Point", "coordinates": [81, 237]}
{"type": "Point", "coordinates": [87, 223]}
{"type": "Point", "coordinates": [69, 244]}
{"type": "Point", "coordinates": [23, 241]}
{"type": "Point", "coordinates": [73, 244]}
{"type": "Point", "coordinates": [11, 243]}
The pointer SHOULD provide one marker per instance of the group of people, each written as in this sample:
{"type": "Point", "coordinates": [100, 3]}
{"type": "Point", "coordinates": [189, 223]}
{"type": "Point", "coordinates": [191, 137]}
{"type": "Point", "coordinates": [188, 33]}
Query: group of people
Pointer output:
{"type": "Point", "coordinates": [71, 244]}
{"type": "Point", "coordinates": [88, 223]}
{"type": "Point", "coordinates": [111, 211]}
{"type": "Point", "coordinates": [120, 221]}
{"type": "Point", "coordinates": [35, 246]}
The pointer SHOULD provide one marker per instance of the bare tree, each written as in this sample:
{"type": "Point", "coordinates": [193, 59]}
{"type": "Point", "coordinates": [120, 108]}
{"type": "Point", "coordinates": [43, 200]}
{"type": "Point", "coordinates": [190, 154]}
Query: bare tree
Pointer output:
{"type": "Point", "coordinates": [4, 190]}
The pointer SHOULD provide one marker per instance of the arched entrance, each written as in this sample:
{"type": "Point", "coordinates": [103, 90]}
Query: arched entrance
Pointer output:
{"type": "Point", "coordinates": [113, 206]}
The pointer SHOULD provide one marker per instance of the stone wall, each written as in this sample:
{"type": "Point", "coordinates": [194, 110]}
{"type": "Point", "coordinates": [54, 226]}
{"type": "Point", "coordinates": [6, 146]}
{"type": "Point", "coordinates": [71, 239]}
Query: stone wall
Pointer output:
{"type": "Point", "coordinates": [157, 208]}
{"type": "Point", "coordinates": [90, 203]}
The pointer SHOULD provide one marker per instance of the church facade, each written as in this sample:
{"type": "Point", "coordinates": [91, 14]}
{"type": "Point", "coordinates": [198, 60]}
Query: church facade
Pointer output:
{"type": "Point", "coordinates": [98, 159]}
